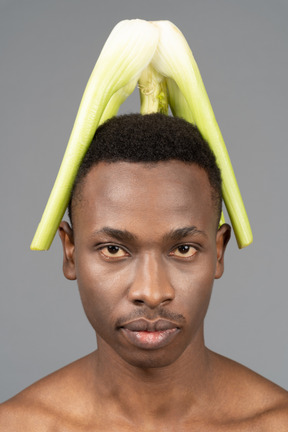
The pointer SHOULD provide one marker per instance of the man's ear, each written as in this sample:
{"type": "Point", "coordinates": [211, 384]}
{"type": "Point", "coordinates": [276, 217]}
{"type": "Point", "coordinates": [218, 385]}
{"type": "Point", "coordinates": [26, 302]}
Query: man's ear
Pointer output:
{"type": "Point", "coordinates": [67, 239]}
{"type": "Point", "coordinates": [222, 238]}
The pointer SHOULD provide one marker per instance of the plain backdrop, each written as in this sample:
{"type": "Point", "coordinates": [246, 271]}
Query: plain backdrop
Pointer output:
{"type": "Point", "coordinates": [48, 50]}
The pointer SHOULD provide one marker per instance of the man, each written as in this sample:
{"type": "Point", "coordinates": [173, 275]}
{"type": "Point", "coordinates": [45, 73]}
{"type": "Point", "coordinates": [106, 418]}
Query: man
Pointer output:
{"type": "Point", "coordinates": [145, 247]}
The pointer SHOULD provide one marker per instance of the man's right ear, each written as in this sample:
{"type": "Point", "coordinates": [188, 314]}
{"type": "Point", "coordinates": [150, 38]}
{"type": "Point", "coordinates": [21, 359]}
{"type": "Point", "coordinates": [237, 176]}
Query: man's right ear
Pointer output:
{"type": "Point", "coordinates": [67, 239]}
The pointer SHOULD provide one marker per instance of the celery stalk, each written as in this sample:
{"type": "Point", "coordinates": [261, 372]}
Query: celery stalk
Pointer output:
{"type": "Point", "coordinates": [178, 102]}
{"type": "Point", "coordinates": [153, 92]}
{"type": "Point", "coordinates": [157, 54]}
{"type": "Point", "coordinates": [174, 59]}
{"type": "Point", "coordinates": [116, 100]}
{"type": "Point", "coordinates": [127, 51]}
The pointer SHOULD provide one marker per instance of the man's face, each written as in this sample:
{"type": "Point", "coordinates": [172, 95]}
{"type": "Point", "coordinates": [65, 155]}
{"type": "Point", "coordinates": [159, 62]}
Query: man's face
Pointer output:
{"type": "Point", "coordinates": [145, 251]}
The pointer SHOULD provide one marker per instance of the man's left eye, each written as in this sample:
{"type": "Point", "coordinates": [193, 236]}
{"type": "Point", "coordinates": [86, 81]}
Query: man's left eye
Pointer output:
{"type": "Point", "coordinates": [184, 251]}
{"type": "Point", "coordinates": [113, 251]}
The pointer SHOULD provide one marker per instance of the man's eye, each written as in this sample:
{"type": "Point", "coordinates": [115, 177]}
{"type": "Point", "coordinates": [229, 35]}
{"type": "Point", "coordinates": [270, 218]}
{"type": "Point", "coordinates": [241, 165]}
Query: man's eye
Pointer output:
{"type": "Point", "coordinates": [113, 251]}
{"type": "Point", "coordinates": [184, 251]}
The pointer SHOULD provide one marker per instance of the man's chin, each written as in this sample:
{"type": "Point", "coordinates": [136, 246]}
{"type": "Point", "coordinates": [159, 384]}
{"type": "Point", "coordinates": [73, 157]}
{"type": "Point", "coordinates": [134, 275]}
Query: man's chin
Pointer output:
{"type": "Point", "coordinates": [150, 359]}
{"type": "Point", "coordinates": [138, 356]}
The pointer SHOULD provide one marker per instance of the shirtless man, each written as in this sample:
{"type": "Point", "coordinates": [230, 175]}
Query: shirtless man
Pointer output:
{"type": "Point", "coordinates": [145, 248]}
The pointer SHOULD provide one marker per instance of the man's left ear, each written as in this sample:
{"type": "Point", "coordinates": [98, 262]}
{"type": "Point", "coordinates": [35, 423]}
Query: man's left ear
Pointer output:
{"type": "Point", "coordinates": [222, 238]}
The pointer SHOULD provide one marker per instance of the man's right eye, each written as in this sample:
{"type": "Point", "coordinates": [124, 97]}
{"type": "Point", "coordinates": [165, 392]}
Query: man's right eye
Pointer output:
{"type": "Point", "coordinates": [113, 251]}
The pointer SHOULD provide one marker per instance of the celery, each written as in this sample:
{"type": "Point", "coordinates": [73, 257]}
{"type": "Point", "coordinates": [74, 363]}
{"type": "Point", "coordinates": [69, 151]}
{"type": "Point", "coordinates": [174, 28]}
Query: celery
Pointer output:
{"type": "Point", "coordinates": [127, 51]}
{"type": "Point", "coordinates": [157, 56]}
{"type": "Point", "coordinates": [174, 59]}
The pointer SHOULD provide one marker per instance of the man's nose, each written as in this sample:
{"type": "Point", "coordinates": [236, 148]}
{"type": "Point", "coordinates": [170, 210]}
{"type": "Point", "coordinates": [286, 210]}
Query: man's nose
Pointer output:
{"type": "Point", "coordinates": [151, 285]}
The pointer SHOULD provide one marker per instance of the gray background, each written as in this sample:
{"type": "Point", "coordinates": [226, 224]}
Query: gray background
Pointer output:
{"type": "Point", "coordinates": [48, 50]}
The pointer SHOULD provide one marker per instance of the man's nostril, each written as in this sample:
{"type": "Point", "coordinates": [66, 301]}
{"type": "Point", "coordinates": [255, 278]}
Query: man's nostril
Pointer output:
{"type": "Point", "coordinates": [138, 302]}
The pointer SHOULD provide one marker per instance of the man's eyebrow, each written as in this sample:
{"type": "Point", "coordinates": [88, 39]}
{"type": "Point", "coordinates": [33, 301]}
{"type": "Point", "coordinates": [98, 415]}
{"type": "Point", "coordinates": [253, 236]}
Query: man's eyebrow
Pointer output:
{"type": "Point", "coordinates": [120, 235]}
{"type": "Point", "coordinates": [181, 233]}
{"type": "Point", "coordinates": [124, 235]}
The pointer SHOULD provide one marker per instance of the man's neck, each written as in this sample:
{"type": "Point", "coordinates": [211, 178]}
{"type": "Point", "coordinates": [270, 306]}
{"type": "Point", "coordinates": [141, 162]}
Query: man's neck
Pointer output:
{"type": "Point", "coordinates": [173, 391]}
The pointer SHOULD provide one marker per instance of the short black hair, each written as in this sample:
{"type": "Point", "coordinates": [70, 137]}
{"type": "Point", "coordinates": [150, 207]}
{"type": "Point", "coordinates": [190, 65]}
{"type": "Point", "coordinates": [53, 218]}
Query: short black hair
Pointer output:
{"type": "Point", "coordinates": [149, 138]}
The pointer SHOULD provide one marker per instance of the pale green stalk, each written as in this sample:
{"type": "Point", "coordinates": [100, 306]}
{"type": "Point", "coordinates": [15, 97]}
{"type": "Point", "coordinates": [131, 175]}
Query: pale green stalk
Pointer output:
{"type": "Point", "coordinates": [178, 102]}
{"type": "Point", "coordinates": [222, 220]}
{"type": "Point", "coordinates": [128, 55]}
{"type": "Point", "coordinates": [155, 97]}
{"type": "Point", "coordinates": [180, 108]}
{"type": "Point", "coordinates": [116, 101]}
{"type": "Point", "coordinates": [173, 59]}
{"type": "Point", "coordinates": [153, 92]}
{"type": "Point", "coordinates": [127, 51]}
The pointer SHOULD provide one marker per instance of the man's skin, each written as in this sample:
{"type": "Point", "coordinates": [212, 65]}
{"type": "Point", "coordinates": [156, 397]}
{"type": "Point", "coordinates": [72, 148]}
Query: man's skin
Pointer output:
{"type": "Point", "coordinates": [145, 246]}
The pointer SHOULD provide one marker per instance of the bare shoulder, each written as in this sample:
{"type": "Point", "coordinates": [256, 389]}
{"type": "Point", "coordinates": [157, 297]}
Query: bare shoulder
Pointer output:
{"type": "Point", "coordinates": [48, 404]}
{"type": "Point", "coordinates": [274, 415]}
{"type": "Point", "coordinates": [25, 414]}
{"type": "Point", "coordinates": [256, 400]}
{"type": "Point", "coordinates": [277, 419]}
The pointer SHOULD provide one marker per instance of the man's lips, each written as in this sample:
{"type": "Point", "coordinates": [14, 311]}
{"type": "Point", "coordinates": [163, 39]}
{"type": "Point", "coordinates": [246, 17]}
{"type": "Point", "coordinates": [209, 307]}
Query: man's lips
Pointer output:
{"type": "Point", "coordinates": [150, 334]}
{"type": "Point", "coordinates": [149, 326]}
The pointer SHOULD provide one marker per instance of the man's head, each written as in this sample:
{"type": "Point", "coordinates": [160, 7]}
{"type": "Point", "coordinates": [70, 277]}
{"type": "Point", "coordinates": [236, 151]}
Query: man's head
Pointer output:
{"type": "Point", "coordinates": [145, 246]}
{"type": "Point", "coordinates": [149, 139]}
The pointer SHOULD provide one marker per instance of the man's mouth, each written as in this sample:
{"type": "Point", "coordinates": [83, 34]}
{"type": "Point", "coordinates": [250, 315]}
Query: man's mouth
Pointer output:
{"type": "Point", "coordinates": [150, 334]}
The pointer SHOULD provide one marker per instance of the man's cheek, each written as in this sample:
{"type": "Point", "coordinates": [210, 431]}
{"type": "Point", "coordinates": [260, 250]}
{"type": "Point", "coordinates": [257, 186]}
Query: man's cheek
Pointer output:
{"type": "Point", "coordinates": [194, 296]}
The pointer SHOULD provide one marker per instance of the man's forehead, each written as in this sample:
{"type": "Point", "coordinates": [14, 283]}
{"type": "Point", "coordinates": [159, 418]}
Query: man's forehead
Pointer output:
{"type": "Point", "coordinates": [119, 180]}
{"type": "Point", "coordinates": [168, 188]}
